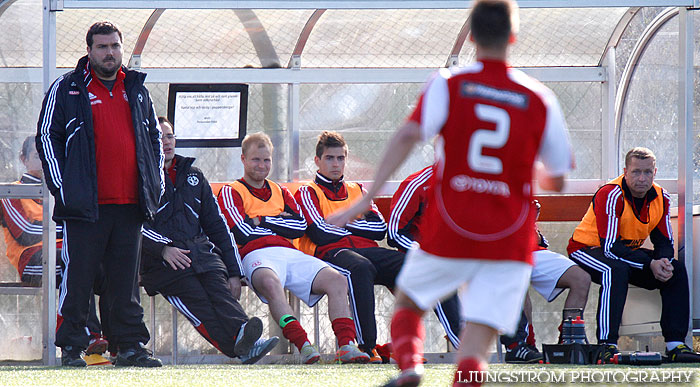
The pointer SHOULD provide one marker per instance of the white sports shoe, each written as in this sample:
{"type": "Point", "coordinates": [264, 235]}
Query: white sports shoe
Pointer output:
{"type": "Point", "coordinates": [309, 354]}
{"type": "Point", "coordinates": [349, 353]}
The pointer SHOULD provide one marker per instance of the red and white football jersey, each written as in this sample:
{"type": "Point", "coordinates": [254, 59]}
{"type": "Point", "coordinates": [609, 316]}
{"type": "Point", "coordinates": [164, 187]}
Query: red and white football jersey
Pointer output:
{"type": "Point", "coordinates": [493, 122]}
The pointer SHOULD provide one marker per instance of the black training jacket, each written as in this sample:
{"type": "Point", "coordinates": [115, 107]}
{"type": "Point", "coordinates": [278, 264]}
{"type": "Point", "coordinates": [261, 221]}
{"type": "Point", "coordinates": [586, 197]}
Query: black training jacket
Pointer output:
{"type": "Point", "coordinates": [65, 141]}
{"type": "Point", "coordinates": [188, 218]}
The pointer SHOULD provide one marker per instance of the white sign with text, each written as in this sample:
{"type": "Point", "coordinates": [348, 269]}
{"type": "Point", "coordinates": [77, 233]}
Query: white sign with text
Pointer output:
{"type": "Point", "coordinates": [207, 114]}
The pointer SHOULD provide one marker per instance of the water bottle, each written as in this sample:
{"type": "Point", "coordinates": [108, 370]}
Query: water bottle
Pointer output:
{"type": "Point", "coordinates": [578, 331]}
{"type": "Point", "coordinates": [567, 331]}
{"type": "Point", "coordinates": [637, 358]}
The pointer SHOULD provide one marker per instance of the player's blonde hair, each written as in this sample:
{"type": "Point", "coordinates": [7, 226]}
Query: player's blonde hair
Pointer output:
{"type": "Point", "coordinates": [259, 139]}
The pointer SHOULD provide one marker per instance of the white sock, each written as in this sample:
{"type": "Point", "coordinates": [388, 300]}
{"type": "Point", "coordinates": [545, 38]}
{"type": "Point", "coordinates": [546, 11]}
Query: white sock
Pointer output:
{"type": "Point", "coordinates": [673, 344]}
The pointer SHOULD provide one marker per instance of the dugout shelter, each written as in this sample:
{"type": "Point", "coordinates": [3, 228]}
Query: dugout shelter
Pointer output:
{"type": "Point", "coordinates": [625, 72]}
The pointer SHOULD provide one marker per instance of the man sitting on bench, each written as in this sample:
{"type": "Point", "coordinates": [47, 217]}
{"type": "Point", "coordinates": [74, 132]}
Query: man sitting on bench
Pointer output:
{"type": "Point", "coordinates": [607, 244]}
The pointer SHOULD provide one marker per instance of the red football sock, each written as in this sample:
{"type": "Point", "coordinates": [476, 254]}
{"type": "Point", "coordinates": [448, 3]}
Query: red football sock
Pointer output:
{"type": "Point", "coordinates": [344, 329]}
{"type": "Point", "coordinates": [530, 335]}
{"type": "Point", "coordinates": [295, 333]}
{"type": "Point", "coordinates": [467, 374]}
{"type": "Point", "coordinates": [407, 335]}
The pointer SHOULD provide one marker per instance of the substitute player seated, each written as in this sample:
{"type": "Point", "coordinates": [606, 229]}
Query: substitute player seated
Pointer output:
{"type": "Point", "coordinates": [264, 217]}
{"type": "Point", "coordinates": [352, 248]}
{"type": "Point", "coordinates": [607, 244]}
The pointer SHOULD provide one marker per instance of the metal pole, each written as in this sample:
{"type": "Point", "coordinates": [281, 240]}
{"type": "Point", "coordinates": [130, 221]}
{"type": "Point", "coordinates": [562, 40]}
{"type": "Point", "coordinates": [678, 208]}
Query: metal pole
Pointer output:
{"type": "Point", "coordinates": [153, 324]}
{"type": "Point", "coordinates": [48, 252]}
{"type": "Point", "coordinates": [49, 227]}
{"type": "Point", "coordinates": [610, 162]}
{"type": "Point", "coordinates": [293, 167]}
{"type": "Point", "coordinates": [685, 150]}
{"type": "Point", "coordinates": [174, 351]}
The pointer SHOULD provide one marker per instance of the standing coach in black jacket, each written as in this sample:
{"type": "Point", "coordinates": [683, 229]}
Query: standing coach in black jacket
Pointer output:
{"type": "Point", "coordinates": [99, 143]}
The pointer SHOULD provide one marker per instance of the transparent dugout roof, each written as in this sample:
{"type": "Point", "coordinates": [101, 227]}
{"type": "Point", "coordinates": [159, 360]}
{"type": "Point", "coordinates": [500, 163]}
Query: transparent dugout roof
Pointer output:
{"type": "Point", "coordinates": [340, 38]}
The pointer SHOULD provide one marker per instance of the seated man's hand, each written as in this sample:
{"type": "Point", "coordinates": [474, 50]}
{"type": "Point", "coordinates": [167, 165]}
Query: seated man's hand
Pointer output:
{"type": "Point", "coordinates": [668, 267]}
{"type": "Point", "coordinates": [176, 258]}
{"type": "Point", "coordinates": [235, 284]}
{"type": "Point", "coordinates": [662, 269]}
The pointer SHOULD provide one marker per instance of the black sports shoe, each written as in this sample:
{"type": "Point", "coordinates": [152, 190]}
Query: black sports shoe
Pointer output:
{"type": "Point", "coordinates": [137, 356]}
{"type": "Point", "coordinates": [682, 354]}
{"type": "Point", "coordinates": [523, 354]}
{"type": "Point", "coordinates": [247, 336]}
{"type": "Point", "coordinates": [70, 357]}
{"type": "Point", "coordinates": [608, 354]}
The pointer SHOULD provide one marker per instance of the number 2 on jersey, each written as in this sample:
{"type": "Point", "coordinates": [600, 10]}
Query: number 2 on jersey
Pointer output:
{"type": "Point", "coordinates": [486, 138]}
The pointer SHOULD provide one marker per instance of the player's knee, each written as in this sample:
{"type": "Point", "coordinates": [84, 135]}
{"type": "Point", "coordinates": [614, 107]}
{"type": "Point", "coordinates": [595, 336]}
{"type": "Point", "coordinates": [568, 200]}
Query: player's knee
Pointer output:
{"type": "Point", "coordinates": [579, 281]}
{"type": "Point", "coordinates": [269, 286]}
{"type": "Point", "coordinates": [620, 272]}
{"type": "Point", "coordinates": [331, 283]}
{"type": "Point", "coordinates": [337, 285]}
{"type": "Point", "coordinates": [364, 268]}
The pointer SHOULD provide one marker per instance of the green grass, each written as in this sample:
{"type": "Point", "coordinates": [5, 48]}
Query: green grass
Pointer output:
{"type": "Point", "coordinates": [294, 375]}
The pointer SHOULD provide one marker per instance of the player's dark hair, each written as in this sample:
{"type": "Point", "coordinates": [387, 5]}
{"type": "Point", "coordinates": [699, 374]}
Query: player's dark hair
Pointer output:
{"type": "Point", "coordinates": [102, 28]}
{"type": "Point", "coordinates": [162, 120]}
{"type": "Point", "coordinates": [329, 140]}
{"type": "Point", "coordinates": [492, 22]}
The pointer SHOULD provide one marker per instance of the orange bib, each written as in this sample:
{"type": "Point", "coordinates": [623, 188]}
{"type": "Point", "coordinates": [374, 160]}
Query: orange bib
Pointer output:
{"type": "Point", "coordinates": [633, 232]}
{"type": "Point", "coordinates": [328, 207]}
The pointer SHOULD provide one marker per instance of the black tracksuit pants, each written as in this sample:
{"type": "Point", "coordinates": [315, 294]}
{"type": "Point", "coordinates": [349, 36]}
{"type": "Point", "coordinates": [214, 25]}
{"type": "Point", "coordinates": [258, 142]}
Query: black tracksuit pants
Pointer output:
{"type": "Point", "coordinates": [614, 275]}
{"type": "Point", "coordinates": [113, 241]}
{"type": "Point", "coordinates": [520, 335]}
{"type": "Point", "coordinates": [206, 300]}
{"type": "Point", "coordinates": [371, 266]}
